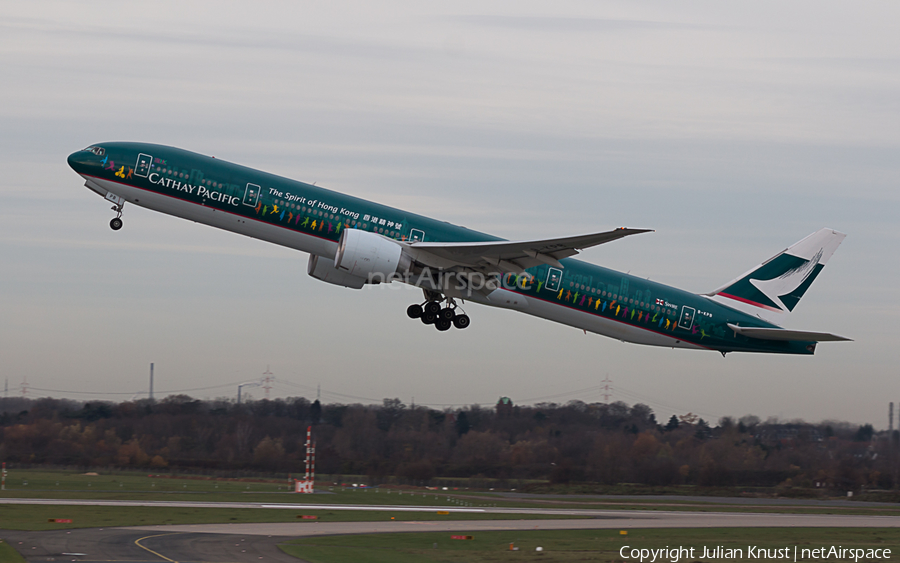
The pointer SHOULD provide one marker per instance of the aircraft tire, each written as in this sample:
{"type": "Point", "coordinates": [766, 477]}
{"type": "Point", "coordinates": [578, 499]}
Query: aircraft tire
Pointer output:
{"type": "Point", "coordinates": [442, 324]}
{"type": "Point", "coordinates": [447, 313]}
{"type": "Point", "coordinates": [461, 321]}
{"type": "Point", "coordinates": [433, 307]}
{"type": "Point", "coordinates": [414, 311]}
{"type": "Point", "coordinates": [115, 224]}
{"type": "Point", "coordinates": [428, 318]}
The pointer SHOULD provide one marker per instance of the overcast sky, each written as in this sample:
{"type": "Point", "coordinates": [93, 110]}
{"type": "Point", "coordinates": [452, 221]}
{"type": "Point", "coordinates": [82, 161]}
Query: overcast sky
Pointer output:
{"type": "Point", "coordinates": [733, 130]}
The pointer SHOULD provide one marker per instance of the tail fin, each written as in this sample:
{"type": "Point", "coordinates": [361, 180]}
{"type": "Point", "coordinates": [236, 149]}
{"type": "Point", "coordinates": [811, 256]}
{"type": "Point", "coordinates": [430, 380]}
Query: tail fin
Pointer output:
{"type": "Point", "coordinates": [775, 286]}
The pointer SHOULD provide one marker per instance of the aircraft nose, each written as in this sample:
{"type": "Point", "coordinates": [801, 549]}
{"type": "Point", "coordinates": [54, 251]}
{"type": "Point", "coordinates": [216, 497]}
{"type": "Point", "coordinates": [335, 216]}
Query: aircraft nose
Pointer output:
{"type": "Point", "coordinates": [83, 160]}
{"type": "Point", "coordinates": [73, 159]}
{"type": "Point", "coordinates": [78, 160]}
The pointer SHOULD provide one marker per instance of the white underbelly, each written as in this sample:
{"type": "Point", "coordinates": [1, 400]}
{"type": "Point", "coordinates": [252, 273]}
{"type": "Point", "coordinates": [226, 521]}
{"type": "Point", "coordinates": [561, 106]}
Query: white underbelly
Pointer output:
{"type": "Point", "coordinates": [594, 323]}
{"type": "Point", "coordinates": [218, 218]}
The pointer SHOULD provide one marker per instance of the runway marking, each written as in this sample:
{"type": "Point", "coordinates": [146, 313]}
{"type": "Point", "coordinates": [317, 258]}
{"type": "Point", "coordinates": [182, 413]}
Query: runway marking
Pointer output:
{"type": "Point", "coordinates": [137, 542]}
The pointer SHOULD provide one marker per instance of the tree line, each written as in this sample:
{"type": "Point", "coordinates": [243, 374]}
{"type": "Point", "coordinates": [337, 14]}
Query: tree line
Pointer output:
{"type": "Point", "coordinates": [561, 443]}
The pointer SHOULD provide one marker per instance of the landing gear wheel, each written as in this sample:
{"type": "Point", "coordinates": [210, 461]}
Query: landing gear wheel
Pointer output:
{"type": "Point", "coordinates": [414, 311]}
{"type": "Point", "coordinates": [461, 321]}
{"type": "Point", "coordinates": [433, 307]}
{"type": "Point", "coordinates": [428, 318]}
{"type": "Point", "coordinates": [115, 224]}
{"type": "Point", "coordinates": [447, 313]}
{"type": "Point", "coordinates": [442, 324]}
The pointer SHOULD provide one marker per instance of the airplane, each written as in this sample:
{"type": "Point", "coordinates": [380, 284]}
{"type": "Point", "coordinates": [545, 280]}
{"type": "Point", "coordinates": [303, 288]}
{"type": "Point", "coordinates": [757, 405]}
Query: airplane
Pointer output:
{"type": "Point", "coordinates": [353, 243]}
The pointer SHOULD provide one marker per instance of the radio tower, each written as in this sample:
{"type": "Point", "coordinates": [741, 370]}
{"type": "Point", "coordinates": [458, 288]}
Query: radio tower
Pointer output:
{"type": "Point", "coordinates": [607, 390]}
{"type": "Point", "coordinates": [267, 379]}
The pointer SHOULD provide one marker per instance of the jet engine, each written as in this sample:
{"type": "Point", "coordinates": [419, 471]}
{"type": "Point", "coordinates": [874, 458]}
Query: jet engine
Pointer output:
{"type": "Point", "coordinates": [369, 256]}
{"type": "Point", "coordinates": [323, 269]}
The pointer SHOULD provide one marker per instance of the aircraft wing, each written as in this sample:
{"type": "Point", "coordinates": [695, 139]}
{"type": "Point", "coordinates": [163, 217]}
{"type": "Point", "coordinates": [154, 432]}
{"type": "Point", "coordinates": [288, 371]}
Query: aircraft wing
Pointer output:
{"type": "Point", "coordinates": [785, 334]}
{"type": "Point", "coordinates": [516, 256]}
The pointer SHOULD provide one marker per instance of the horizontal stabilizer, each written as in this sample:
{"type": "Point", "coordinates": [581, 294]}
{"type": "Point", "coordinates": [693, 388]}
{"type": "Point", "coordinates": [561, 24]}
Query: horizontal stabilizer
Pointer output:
{"type": "Point", "coordinates": [784, 334]}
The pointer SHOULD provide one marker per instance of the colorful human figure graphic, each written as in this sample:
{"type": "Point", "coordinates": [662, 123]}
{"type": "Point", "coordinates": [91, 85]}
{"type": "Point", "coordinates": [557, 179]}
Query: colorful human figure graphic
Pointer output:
{"type": "Point", "coordinates": [603, 310]}
{"type": "Point", "coordinates": [580, 303]}
{"type": "Point", "coordinates": [274, 209]}
{"type": "Point", "coordinates": [103, 162]}
{"type": "Point", "coordinates": [540, 283]}
{"type": "Point", "coordinates": [576, 297]}
{"type": "Point", "coordinates": [618, 308]}
{"type": "Point", "coordinates": [337, 229]}
{"type": "Point", "coordinates": [568, 295]}
{"type": "Point", "coordinates": [590, 302]}
{"type": "Point", "coordinates": [281, 217]}
{"type": "Point", "coordinates": [128, 176]}
{"type": "Point", "coordinates": [305, 222]}
{"type": "Point", "coordinates": [330, 228]}
{"type": "Point", "coordinates": [265, 208]}
{"type": "Point", "coordinates": [703, 334]}
{"type": "Point", "coordinates": [258, 207]}
{"type": "Point", "coordinates": [560, 294]}
{"type": "Point", "coordinates": [321, 224]}
{"type": "Point", "coordinates": [290, 217]}
{"type": "Point", "coordinates": [120, 173]}
{"type": "Point", "coordinates": [112, 165]}
{"type": "Point", "coordinates": [313, 226]}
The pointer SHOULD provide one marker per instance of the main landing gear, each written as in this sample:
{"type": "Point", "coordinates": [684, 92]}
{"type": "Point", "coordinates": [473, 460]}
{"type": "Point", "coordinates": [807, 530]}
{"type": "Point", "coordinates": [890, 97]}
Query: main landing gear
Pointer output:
{"type": "Point", "coordinates": [431, 313]}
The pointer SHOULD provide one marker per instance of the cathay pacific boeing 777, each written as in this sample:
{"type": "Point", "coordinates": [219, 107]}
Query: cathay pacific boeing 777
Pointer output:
{"type": "Point", "coordinates": [353, 242]}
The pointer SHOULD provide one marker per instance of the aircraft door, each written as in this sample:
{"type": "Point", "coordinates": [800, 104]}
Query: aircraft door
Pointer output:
{"type": "Point", "coordinates": [142, 166]}
{"type": "Point", "coordinates": [687, 317]}
{"type": "Point", "coordinates": [554, 279]}
{"type": "Point", "coordinates": [251, 195]}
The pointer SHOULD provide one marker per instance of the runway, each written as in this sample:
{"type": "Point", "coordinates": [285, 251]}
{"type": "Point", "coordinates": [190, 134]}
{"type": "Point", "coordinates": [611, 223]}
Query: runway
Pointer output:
{"type": "Point", "coordinates": [574, 512]}
{"type": "Point", "coordinates": [239, 543]}
{"type": "Point", "coordinates": [139, 546]}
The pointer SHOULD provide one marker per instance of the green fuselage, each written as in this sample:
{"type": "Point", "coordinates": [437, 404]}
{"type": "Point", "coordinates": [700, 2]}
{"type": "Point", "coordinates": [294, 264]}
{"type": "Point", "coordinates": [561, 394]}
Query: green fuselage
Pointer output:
{"type": "Point", "coordinates": [605, 301]}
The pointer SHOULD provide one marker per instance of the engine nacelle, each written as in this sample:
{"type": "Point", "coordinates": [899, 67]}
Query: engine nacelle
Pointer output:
{"type": "Point", "coordinates": [370, 256]}
{"type": "Point", "coordinates": [323, 269]}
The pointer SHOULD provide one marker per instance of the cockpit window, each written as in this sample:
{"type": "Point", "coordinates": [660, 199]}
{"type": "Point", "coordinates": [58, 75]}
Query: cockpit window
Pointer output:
{"type": "Point", "coordinates": [99, 151]}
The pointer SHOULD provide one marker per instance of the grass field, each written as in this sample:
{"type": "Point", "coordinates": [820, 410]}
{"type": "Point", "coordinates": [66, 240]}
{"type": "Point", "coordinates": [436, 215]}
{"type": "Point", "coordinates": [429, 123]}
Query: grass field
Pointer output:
{"type": "Point", "coordinates": [573, 545]}
{"type": "Point", "coordinates": [8, 554]}
{"type": "Point", "coordinates": [132, 486]}
{"type": "Point", "coordinates": [72, 485]}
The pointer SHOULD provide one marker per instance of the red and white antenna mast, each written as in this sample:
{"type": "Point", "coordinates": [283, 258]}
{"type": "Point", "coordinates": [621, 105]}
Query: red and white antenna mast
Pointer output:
{"type": "Point", "coordinates": [306, 485]}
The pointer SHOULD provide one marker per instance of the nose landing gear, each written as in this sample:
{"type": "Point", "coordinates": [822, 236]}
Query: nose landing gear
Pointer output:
{"type": "Point", "coordinates": [431, 312]}
{"type": "Point", "coordinates": [116, 223]}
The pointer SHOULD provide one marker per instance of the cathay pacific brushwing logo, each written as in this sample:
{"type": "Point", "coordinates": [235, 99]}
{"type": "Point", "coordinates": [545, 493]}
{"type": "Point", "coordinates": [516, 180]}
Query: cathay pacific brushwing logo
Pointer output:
{"type": "Point", "coordinates": [787, 282]}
